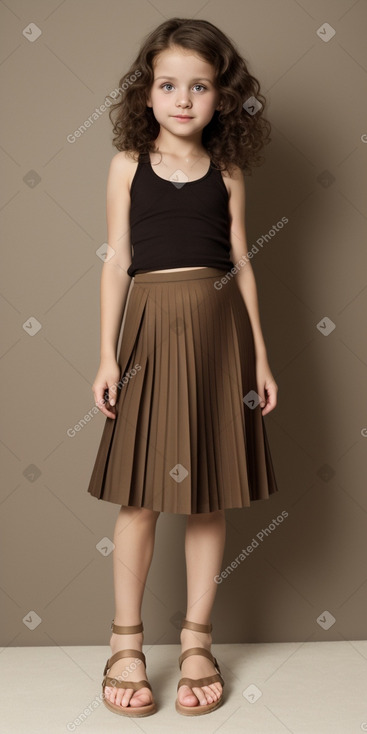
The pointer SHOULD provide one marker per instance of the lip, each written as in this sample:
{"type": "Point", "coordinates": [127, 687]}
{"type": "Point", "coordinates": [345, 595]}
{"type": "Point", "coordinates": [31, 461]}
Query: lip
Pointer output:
{"type": "Point", "coordinates": [182, 117]}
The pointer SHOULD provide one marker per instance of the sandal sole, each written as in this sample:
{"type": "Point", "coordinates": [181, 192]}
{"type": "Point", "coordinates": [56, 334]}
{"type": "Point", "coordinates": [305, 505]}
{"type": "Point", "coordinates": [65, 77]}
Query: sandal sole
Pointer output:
{"type": "Point", "coordinates": [197, 710]}
{"type": "Point", "coordinates": [138, 711]}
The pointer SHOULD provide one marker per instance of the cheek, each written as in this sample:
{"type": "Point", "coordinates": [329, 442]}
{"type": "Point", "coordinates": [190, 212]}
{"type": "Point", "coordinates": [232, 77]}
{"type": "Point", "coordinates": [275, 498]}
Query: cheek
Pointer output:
{"type": "Point", "coordinates": [162, 102]}
{"type": "Point", "coordinates": [208, 105]}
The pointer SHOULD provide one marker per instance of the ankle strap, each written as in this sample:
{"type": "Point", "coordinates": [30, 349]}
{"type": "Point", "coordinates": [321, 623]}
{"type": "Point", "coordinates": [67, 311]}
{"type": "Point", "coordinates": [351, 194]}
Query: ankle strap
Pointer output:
{"type": "Point", "coordinates": [196, 627]}
{"type": "Point", "coordinates": [126, 630]}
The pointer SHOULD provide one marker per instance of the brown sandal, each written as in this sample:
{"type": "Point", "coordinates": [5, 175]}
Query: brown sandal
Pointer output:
{"type": "Point", "coordinates": [198, 682]}
{"type": "Point", "coordinates": [149, 708]}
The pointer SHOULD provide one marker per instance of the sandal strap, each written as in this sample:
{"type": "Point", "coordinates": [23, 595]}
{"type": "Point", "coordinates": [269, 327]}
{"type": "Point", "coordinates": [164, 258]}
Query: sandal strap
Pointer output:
{"type": "Point", "coordinates": [135, 685]}
{"type": "Point", "coordinates": [196, 627]}
{"type": "Point", "coordinates": [196, 651]}
{"type": "Point", "coordinates": [124, 654]}
{"type": "Point", "coordinates": [126, 630]}
{"type": "Point", "coordinates": [199, 682]}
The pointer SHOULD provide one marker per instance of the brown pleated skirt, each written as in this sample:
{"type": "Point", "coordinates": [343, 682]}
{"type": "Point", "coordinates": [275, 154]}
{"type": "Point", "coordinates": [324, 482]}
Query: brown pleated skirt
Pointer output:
{"type": "Point", "coordinates": [188, 436]}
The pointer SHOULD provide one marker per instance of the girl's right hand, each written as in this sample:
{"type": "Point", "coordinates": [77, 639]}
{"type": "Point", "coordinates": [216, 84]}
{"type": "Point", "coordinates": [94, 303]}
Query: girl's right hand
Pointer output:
{"type": "Point", "coordinates": [107, 378]}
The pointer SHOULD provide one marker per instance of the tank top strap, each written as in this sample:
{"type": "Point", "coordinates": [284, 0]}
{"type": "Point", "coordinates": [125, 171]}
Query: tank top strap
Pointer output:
{"type": "Point", "coordinates": [144, 158]}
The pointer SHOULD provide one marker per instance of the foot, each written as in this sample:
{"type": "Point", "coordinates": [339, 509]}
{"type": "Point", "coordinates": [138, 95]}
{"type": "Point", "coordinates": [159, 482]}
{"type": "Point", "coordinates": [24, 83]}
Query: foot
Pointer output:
{"type": "Point", "coordinates": [127, 669]}
{"type": "Point", "coordinates": [196, 666]}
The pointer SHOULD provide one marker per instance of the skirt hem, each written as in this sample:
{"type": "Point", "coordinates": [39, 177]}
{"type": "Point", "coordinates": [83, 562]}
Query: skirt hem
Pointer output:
{"type": "Point", "coordinates": [187, 512]}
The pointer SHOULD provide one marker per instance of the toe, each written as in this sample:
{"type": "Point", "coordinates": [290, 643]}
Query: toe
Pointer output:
{"type": "Point", "coordinates": [128, 696]}
{"type": "Point", "coordinates": [110, 693]}
{"type": "Point", "coordinates": [187, 697]}
{"type": "Point", "coordinates": [209, 695]}
{"type": "Point", "coordinates": [124, 698]}
{"type": "Point", "coordinates": [209, 691]}
{"type": "Point", "coordinates": [200, 694]}
{"type": "Point", "coordinates": [216, 689]}
{"type": "Point", "coordinates": [141, 697]}
{"type": "Point", "coordinates": [117, 696]}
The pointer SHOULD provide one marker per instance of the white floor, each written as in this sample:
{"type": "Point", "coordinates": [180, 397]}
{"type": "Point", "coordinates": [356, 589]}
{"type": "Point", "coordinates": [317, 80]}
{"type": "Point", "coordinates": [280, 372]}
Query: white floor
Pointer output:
{"type": "Point", "coordinates": [302, 688]}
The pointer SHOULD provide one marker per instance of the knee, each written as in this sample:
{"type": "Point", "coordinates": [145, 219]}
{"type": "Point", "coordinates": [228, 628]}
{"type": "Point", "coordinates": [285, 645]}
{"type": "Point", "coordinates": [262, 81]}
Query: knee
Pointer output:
{"type": "Point", "coordinates": [207, 516]}
{"type": "Point", "coordinates": [141, 513]}
{"type": "Point", "coordinates": [150, 514]}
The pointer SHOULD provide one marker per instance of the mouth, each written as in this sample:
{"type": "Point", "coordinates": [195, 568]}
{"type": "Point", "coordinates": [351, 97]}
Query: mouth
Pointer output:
{"type": "Point", "coordinates": [183, 117]}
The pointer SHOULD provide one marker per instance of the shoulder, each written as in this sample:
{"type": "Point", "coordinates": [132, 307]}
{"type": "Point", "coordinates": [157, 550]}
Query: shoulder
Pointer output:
{"type": "Point", "coordinates": [122, 167]}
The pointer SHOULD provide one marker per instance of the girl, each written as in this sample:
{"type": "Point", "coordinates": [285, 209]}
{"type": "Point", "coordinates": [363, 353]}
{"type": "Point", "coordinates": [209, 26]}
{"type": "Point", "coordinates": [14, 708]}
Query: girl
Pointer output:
{"type": "Point", "coordinates": [185, 399]}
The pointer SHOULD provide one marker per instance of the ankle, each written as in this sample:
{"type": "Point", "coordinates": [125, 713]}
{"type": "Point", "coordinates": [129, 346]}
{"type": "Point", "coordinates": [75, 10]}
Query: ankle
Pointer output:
{"type": "Point", "coordinates": [127, 640]}
{"type": "Point", "coordinates": [195, 639]}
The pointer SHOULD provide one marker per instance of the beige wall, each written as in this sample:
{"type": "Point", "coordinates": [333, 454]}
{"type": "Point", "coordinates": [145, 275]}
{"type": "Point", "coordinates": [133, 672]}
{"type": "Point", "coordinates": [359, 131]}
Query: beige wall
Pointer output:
{"type": "Point", "coordinates": [53, 222]}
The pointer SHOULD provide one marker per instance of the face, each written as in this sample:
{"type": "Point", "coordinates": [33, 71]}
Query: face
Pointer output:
{"type": "Point", "coordinates": [183, 86]}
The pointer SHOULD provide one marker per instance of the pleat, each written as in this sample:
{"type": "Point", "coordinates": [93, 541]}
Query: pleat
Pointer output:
{"type": "Point", "coordinates": [110, 461]}
{"type": "Point", "coordinates": [260, 471]}
{"type": "Point", "coordinates": [184, 441]}
{"type": "Point", "coordinates": [210, 416]}
{"type": "Point", "coordinates": [230, 482]}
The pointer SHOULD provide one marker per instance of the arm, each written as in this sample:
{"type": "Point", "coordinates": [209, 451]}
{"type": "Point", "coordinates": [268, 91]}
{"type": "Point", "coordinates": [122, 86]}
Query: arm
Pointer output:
{"type": "Point", "coordinates": [115, 282]}
{"type": "Point", "coordinates": [247, 285]}
{"type": "Point", "coordinates": [245, 278]}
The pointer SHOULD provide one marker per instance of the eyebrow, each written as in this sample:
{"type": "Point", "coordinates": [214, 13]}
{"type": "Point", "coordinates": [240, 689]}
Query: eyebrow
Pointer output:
{"type": "Point", "coordinates": [199, 78]}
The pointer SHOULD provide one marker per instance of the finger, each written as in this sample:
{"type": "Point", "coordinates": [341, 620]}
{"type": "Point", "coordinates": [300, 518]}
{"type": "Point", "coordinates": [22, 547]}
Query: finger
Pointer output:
{"type": "Point", "coordinates": [112, 391]}
{"type": "Point", "coordinates": [272, 395]}
{"type": "Point", "coordinates": [108, 412]}
{"type": "Point", "coordinates": [99, 397]}
{"type": "Point", "coordinates": [271, 403]}
{"type": "Point", "coordinates": [100, 394]}
{"type": "Point", "coordinates": [108, 409]}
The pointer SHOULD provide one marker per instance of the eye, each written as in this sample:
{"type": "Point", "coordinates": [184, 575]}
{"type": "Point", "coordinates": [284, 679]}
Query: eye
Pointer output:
{"type": "Point", "coordinates": [168, 84]}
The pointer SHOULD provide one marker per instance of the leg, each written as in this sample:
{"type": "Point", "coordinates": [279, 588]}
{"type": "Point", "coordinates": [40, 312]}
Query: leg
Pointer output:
{"type": "Point", "coordinates": [134, 544]}
{"type": "Point", "coordinates": [204, 547]}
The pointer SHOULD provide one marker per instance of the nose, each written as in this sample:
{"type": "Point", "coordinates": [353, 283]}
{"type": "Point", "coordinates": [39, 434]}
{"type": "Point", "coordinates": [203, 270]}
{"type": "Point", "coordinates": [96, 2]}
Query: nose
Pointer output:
{"type": "Point", "coordinates": [183, 98]}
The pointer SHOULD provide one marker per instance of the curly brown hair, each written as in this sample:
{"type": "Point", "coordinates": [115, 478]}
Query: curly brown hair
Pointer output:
{"type": "Point", "coordinates": [234, 135]}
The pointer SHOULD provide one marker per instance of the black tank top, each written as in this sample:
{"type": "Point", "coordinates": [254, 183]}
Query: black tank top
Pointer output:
{"type": "Point", "coordinates": [178, 225]}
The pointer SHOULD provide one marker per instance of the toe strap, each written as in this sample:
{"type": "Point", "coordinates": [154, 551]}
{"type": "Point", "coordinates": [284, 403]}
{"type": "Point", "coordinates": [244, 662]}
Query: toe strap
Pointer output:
{"type": "Point", "coordinates": [199, 682]}
{"type": "Point", "coordinates": [134, 685]}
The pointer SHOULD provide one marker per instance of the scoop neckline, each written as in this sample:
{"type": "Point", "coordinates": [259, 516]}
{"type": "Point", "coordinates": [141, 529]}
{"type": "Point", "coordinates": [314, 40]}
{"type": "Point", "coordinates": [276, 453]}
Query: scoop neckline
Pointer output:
{"type": "Point", "coordinates": [167, 180]}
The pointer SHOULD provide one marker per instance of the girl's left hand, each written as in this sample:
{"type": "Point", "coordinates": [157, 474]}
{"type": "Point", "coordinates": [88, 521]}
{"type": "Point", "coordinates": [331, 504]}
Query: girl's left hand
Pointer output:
{"type": "Point", "coordinates": [267, 388]}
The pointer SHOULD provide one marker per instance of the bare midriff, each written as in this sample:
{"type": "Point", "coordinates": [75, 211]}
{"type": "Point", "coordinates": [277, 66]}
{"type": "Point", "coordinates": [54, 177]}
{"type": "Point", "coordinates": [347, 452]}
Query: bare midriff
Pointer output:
{"type": "Point", "coordinates": [177, 270]}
